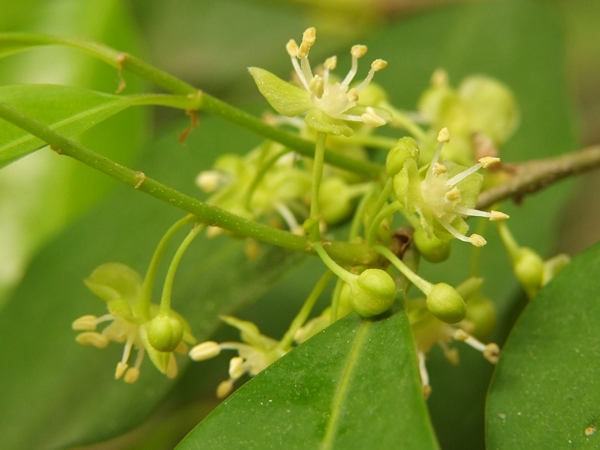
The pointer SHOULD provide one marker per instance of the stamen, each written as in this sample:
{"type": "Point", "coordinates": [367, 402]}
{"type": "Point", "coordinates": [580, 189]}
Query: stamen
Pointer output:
{"type": "Point", "coordinates": [85, 323]}
{"type": "Point", "coordinates": [477, 240]}
{"type": "Point", "coordinates": [292, 48]}
{"type": "Point", "coordinates": [236, 367]}
{"type": "Point", "coordinates": [172, 370]}
{"type": "Point", "coordinates": [451, 354]}
{"type": "Point", "coordinates": [439, 169]}
{"type": "Point", "coordinates": [497, 215]}
{"type": "Point", "coordinates": [121, 369]}
{"type": "Point", "coordinates": [443, 137]}
{"type": "Point", "coordinates": [93, 339]}
{"type": "Point", "coordinates": [357, 51]}
{"type": "Point", "coordinates": [490, 351]}
{"type": "Point", "coordinates": [132, 375]}
{"type": "Point", "coordinates": [300, 74]}
{"type": "Point", "coordinates": [483, 162]}
{"type": "Point", "coordinates": [289, 219]}
{"type": "Point", "coordinates": [454, 232]}
{"type": "Point", "coordinates": [317, 86]}
{"type": "Point", "coordinates": [308, 40]}
{"type": "Point", "coordinates": [424, 375]}
{"type": "Point", "coordinates": [224, 388]}
{"type": "Point", "coordinates": [209, 180]}
{"type": "Point", "coordinates": [352, 95]}
{"type": "Point", "coordinates": [330, 64]}
{"type": "Point", "coordinates": [371, 118]}
{"type": "Point", "coordinates": [205, 350]}
{"type": "Point", "coordinates": [439, 78]}
{"type": "Point", "coordinates": [376, 66]}
{"type": "Point", "coordinates": [487, 161]}
{"type": "Point", "coordinates": [453, 195]}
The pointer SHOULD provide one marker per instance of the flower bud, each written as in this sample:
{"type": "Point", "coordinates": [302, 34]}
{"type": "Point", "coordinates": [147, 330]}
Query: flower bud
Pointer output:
{"type": "Point", "coordinates": [482, 314]}
{"type": "Point", "coordinates": [433, 249]}
{"type": "Point", "coordinates": [165, 333]}
{"type": "Point", "coordinates": [373, 292]}
{"type": "Point", "coordinates": [529, 269]}
{"type": "Point", "coordinates": [446, 304]}
{"type": "Point", "coordinates": [335, 200]}
{"type": "Point", "coordinates": [405, 148]}
{"type": "Point", "coordinates": [372, 95]}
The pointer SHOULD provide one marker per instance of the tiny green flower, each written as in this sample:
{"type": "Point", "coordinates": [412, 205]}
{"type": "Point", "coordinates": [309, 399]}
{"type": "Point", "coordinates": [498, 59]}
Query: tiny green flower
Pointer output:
{"type": "Point", "coordinates": [120, 287]}
{"type": "Point", "coordinates": [255, 353]}
{"type": "Point", "coordinates": [445, 196]}
{"type": "Point", "coordinates": [328, 104]}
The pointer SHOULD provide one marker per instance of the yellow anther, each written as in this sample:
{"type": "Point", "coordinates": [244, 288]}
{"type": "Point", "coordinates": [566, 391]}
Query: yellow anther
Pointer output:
{"type": "Point", "coordinates": [439, 78]}
{"type": "Point", "coordinates": [85, 323]}
{"type": "Point", "coordinates": [352, 95]}
{"type": "Point", "coordinates": [317, 86]}
{"type": "Point", "coordinates": [497, 215]}
{"type": "Point", "coordinates": [460, 335]}
{"type": "Point", "coordinates": [121, 369]}
{"type": "Point", "coordinates": [132, 375]}
{"type": "Point", "coordinates": [330, 63]}
{"type": "Point", "coordinates": [491, 353]}
{"type": "Point", "coordinates": [444, 135]}
{"type": "Point", "coordinates": [205, 350]}
{"type": "Point", "coordinates": [93, 339]}
{"type": "Point", "coordinates": [308, 40]}
{"type": "Point", "coordinates": [477, 240]}
{"type": "Point", "coordinates": [224, 388]}
{"type": "Point", "coordinates": [439, 169]}
{"type": "Point", "coordinates": [378, 64]}
{"type": "Point", "coordinates": [372, 119]}
{"type": "Point", "coordinates": [292, 48]}
{"type": "Point", "coordinates": [358, 51]}
{"type": "Point", "coordinates": [452, 195]}
{"type": "Point", "coordinates": [488, 161]}
{"type": "Point", "coordinates": [236, 367]}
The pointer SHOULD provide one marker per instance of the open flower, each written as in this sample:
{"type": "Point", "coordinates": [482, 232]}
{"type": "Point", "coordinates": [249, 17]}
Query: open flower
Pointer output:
{"type": "Point", "coordinates": [255, 353]}
{"type": "Point", "coordinates": [327, 103]}
{"type": "Point", "coordinates": [120, 287]}
{"type": "Point", "coordinates": [445, 196]}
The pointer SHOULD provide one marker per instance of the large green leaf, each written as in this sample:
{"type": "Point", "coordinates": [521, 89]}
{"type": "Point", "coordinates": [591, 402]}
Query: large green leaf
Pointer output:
{"type": "Point", "coordinates": [353, 386]}
{"type": "Point", "coordinates": [66, 109]}
{"type": "Point", "coordinates": [545, 391]}
{"type": "Point", "coordinates": [55, 393]}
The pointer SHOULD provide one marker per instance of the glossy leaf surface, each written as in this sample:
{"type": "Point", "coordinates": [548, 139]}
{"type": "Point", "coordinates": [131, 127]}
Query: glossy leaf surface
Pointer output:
{"type": "Point", "coordinates": [353, 386]}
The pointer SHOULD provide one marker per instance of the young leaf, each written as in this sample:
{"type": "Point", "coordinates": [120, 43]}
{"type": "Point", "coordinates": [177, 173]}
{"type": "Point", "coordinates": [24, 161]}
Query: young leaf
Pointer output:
{"type": "Point", "coordinates": [545, 391]}
{"type": "Point", "coordinates": [353, 386]}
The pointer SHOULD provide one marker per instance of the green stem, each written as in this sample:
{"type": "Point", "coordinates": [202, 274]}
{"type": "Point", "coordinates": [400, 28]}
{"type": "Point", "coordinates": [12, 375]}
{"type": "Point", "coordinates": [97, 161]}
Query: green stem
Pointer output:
{"type": "Point", "coordinates": [510, 244]}
{"type": "Point", "coordinates": [316, 184]}
{"type": "Point", "coordinates": [385, 212]}
{"type": "Point", "coordinates": [210, 215]}
{"type": "Point", "coordinates": [17, 42]}
{"type": "Point", "coordinates": [287, 340]}
{"type": "Point", "coordinates": [332, 265]}
{"type": "Point", "coordinates": [422, 284]}
{"type": "Point", "coordinates": [143, 306]}
{"type": "Point", "coordinates": [381, 142]}
{"type": "Point", "coordinates": [165, 301]}
{"type": "Point", "coordinates": [401, 120]}
{"type": "Point", "coordinates": [335, 300]}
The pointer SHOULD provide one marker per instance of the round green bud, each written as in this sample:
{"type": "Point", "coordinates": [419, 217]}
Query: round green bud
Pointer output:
{"type": "Point", "coordinates": [335, 200]}
{"type": "Point", "coordinates": [373, 293]}
{"type": "Point", "coordinates": [165, 333]}
{"type": "Point", "coordinates": [372, 95]}
{"type": "Point", "coordinates": [529, 269]}
{"type": "Point", "coordinates": [482, 314]}
{"type": "Point", "coordinates": [492, 107]}
{"type": "Point", "coordinates": [431, 248]}
{"type": "Point", "coordinates": [405, 148]}
{"type": "Point", "coordinates": [446, 304]}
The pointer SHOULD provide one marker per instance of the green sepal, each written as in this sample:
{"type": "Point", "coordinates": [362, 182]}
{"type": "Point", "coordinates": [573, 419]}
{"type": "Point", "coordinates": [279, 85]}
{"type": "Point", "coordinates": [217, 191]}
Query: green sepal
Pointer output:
{"type": "Point", "coordinates": [159, 359]}
{"type": "Point", "coordinates": [114, 281]}
{"type": "Point", "coordinates": [284, 97]}
{"type": "Point", "coordinates": [319, 121]}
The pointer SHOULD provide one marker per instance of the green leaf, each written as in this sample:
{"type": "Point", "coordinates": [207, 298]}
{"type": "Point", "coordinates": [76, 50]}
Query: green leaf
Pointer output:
{"type": "Point", "coordinates": [545, 391]}
{"type": "Point", "coordinates": [50, 370]}
{"type": "Point", "coordinates": [353, 386]}
{"type": "Point", "coordinates": [66, 109]}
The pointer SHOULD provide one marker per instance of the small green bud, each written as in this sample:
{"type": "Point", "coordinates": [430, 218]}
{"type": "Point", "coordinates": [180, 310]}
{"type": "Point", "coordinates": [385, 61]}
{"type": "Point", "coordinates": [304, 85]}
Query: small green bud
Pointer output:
{"type": "Point", "coordinates": [165, 333]}
{"type": "Point", "coordinates": [405, 148]}
{"type": "Point", "coordinates": [482, 314]}
{"type": "Point", "coordinates": [373, 293]}
{"type": "Point", "coordinates": [372, 95]}
{"type": "Point", "coordinates": [446, 304]}
{"type": "Point", "coordinates": [529, 269]}
{"type": "Point", "coordinates": [335, 200]}
{"type": "Point", "coordinates": [433, 249]}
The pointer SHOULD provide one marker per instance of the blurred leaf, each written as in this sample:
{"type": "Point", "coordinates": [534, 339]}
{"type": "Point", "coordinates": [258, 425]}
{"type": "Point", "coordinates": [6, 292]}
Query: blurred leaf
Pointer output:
{"type": "Point", "coordinates": [42, 193]}
{"type": "Point", "coordinates": [545, 391]}
{"type": "Point", "coordinates": [68, 110]}
{"type": "Point", "coordinates": [355, 385]}
{"type": "Point", "coordinates": [72, 387]}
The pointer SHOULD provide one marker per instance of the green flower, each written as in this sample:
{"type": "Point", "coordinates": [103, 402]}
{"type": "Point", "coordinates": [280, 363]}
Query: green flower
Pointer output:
{"type": "Point", "coordinates": [328, 104]}
{"type": "Point", "coordinates": [445, 196]}
{"type": "Point", "coordinates": [120, 287]}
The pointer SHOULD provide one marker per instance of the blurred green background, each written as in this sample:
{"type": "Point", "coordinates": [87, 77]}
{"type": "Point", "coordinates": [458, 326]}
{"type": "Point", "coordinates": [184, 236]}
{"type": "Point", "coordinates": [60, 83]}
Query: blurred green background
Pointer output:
{"type": "Point", "coordinates": [209, 43]}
